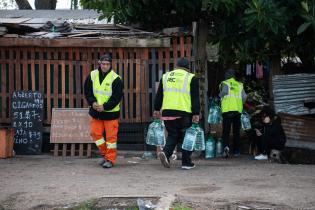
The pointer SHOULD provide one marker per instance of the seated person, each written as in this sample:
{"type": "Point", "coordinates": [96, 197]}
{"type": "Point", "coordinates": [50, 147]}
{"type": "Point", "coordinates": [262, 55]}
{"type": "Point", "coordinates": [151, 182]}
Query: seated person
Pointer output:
{"type": "Point", "coordinates": [270, 136]}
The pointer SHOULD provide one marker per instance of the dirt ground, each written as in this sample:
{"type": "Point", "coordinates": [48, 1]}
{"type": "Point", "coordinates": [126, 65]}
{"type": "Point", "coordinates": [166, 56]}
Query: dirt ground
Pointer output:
{"type": "Point", "coordinates": [46, 182]}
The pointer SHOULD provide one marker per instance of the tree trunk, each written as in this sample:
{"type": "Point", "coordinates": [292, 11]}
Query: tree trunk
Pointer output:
{"type": "Point", "coordinates": [45, 4]}
{"type": "Point", "coordinates": [200, 33]}
{"type": "Point", "coordinates": [74, 4]}
{"type": "Point", "coordinates": [23, 4]}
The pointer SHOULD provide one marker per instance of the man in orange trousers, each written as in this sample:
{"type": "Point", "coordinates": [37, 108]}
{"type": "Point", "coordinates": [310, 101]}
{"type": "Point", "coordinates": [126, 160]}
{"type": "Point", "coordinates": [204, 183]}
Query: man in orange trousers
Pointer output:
{"type": "Point", "coordinates": [103, 90]}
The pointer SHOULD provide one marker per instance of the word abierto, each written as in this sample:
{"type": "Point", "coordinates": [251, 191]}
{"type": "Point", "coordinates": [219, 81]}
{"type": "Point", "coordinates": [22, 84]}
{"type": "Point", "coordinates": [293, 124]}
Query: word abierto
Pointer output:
{"type": "Point", "coordinates": [22, 94]}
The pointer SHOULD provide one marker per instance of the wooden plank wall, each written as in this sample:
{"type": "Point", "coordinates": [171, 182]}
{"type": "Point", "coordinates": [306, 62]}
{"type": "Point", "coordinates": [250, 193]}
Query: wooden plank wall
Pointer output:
{"type": "Point", "coordinates": [60, 73]}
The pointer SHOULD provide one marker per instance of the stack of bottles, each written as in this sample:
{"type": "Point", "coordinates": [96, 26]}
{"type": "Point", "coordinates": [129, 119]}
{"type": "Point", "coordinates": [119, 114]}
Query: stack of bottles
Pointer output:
{"type": "Point", "coordinates": [213, 148]}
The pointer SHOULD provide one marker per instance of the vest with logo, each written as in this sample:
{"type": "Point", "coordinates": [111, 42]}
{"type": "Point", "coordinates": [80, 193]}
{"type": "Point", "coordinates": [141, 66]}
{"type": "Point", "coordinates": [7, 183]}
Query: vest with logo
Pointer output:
{"type": "Point", "coordinates": [176, 90]}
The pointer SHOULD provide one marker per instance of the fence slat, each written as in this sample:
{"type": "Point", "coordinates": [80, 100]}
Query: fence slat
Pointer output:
{"type": "Point", "coordinates": [3, 90]}
{"type": "Point", "coordinates": [63, 84]}
{"type": "Point", "coordinates": [33, 81]}
{"type": "Point", "coordinates": [48, 94]}
{"type": "Point", "coordinates": [17, 70]}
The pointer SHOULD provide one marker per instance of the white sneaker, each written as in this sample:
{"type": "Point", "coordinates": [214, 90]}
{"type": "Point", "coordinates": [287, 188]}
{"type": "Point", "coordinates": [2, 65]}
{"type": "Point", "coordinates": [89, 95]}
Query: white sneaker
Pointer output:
{"type": "Point", "coordinates": [261, 157]}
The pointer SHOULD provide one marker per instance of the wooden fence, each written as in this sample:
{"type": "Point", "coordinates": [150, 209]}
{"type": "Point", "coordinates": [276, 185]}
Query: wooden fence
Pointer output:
{"type": "Point", "coordinates": [60, 72]}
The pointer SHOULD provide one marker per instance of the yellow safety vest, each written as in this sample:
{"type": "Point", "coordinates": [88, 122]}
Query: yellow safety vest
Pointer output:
{"type": "Point", "coordinates": [176, 90]}
{"type": "Point", "coordinates": [233, 100]}
{"type": "Point", "coordinates": [103, 92]}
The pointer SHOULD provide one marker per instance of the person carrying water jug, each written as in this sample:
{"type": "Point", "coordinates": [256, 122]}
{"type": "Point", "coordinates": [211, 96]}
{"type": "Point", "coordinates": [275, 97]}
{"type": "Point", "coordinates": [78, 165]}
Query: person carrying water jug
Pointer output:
{"type": "Point", "coordinates": [233, 97]}
{"type": "Point", "coordinates": [178, 98]}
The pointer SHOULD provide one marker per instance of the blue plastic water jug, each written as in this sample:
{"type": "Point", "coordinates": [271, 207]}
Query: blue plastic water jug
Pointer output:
{"type": "Point", "coordinates": [155, 134]}
{"type": "Point", "coordinates": [190, 138]}
{"type": "Point", "coordinates": [200, 140]}
{"type": "Point", "coordinates": [210, 147]}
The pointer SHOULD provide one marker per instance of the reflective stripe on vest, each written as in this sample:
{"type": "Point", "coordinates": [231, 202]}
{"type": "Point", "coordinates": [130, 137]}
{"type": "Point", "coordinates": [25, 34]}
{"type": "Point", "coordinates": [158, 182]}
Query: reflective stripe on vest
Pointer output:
{"type": "Point", "coordinates": [233, 100]}
{"type": "Point", "coordinates": [176, 90]}
{"type": "Point", "coordinates": [111, 145]}
{"type": "Point", "coordinates": [103, 92]}
{"type": "Point", "coordinates": [100, 142]}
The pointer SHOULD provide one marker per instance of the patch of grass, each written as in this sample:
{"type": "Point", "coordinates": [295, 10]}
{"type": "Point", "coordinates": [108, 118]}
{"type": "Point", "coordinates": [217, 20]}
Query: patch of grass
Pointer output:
{"type": "Point", "coordinates": [87, 205]}
{"type": "Point", "coordinates": [180, 207]}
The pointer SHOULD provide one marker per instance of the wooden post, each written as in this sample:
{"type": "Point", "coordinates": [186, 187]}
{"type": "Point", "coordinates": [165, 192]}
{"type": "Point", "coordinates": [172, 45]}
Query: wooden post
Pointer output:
{"type": "Point", "coordinates": [275, 70]}
{"type": "Point", "coordinates": [200, 33]}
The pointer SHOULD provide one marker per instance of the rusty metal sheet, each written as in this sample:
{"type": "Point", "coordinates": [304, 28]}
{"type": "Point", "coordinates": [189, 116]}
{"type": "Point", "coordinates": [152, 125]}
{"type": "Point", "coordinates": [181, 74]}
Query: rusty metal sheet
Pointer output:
{"type": "Point", "coordinates": [292, 91]}
{"type": "Point", "coordinates": [299, 130]}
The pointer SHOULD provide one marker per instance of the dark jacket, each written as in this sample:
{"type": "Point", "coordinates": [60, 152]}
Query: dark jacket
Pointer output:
{"type": "Point", "coordinates": [195, 102]}
{"type": "Point", "coordinates": [117, 88]}
{"type": "Point", "coordinates": [273, 134]}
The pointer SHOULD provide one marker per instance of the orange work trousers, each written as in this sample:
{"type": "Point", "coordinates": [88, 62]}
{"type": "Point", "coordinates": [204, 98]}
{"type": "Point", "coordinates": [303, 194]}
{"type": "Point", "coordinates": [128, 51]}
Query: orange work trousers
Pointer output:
{"type": "Point", "coordinates": [108, 147]}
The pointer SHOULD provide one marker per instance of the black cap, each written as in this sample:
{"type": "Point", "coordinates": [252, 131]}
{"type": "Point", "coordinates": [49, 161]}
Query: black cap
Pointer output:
{"type": "Point", "coordinates": [183, 62]}
{"type": "Point", "coordinates": [229, 74]}
{"type": "Point", "coordinates": [106, 57]}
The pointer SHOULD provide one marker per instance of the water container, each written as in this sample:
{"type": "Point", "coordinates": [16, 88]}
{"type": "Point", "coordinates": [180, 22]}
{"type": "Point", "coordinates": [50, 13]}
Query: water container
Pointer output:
{"type": "Point", "coordinates": [245, 121]}
{"type": "Point", "coordinates": [200, 140]}
{"type": "Point", "coordinates": [160, 133]}
{"type": "Point", "coordinates": [155, 135]}
{"type": "Point", "coordinates": [210, 147]}
{"type": "Point", "coordinates": [215, 115]}
{"type": "Point", "coordinates": [190, 138]}
{"type": "Point", "coordinates": [219, 148]}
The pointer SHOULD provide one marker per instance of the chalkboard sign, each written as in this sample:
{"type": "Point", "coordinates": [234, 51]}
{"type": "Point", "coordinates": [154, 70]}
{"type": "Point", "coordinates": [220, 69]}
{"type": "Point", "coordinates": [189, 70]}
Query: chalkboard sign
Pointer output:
{"type": "Point", "coordinates": [27, 118]}
{"type": "Point", "coordinates": [70, 125]}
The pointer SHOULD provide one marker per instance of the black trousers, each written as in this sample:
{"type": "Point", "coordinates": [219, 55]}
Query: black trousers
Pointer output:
{"type": "Point", "coordinates": [176, 132]}
{"type": "Point", "coordinates": [265, 143]}
{"type": "Point", "coordinates": [229, 119]}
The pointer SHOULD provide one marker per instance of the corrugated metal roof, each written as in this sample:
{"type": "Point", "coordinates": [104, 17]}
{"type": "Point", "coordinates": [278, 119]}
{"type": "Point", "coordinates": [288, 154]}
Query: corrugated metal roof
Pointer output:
{"type": "Point", "coordinates": [50, 14]}
{"type": "Point", "coordinates": [292, 91]}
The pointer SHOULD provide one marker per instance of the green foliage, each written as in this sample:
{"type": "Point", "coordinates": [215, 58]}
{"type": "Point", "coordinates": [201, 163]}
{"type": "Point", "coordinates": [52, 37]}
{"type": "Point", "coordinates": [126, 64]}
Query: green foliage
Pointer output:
{"type": "Point", "coordinates": [261, 15]}
{"type": "Point", "coordinates": [246, 30]}
{"type": "Point", "coordinates": [308, 14]}
{"type": "Point", "coordinates": [150, 14]}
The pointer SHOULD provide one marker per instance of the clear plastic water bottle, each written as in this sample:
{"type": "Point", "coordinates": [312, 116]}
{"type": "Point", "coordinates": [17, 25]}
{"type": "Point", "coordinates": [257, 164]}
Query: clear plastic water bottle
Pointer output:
{"type": "Point", "coordinates": [215, 115]}
{"type": "Point", "coordinates": [219, 148]}
{"type": "Point", "coordinates": [150, 139]}
{"type": "Point", "coordinates": [190, 138]}
{"type": "Point", "coordinates": [155, 134]}
{"type": "Point", "coordinates": [160, 133]}
{"type": "Point", "coordinates": [210, 147]}
{"type": "Point", "coordinates": [200, 140]}
{"type": "Point", "coordinates": [245, 121]}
